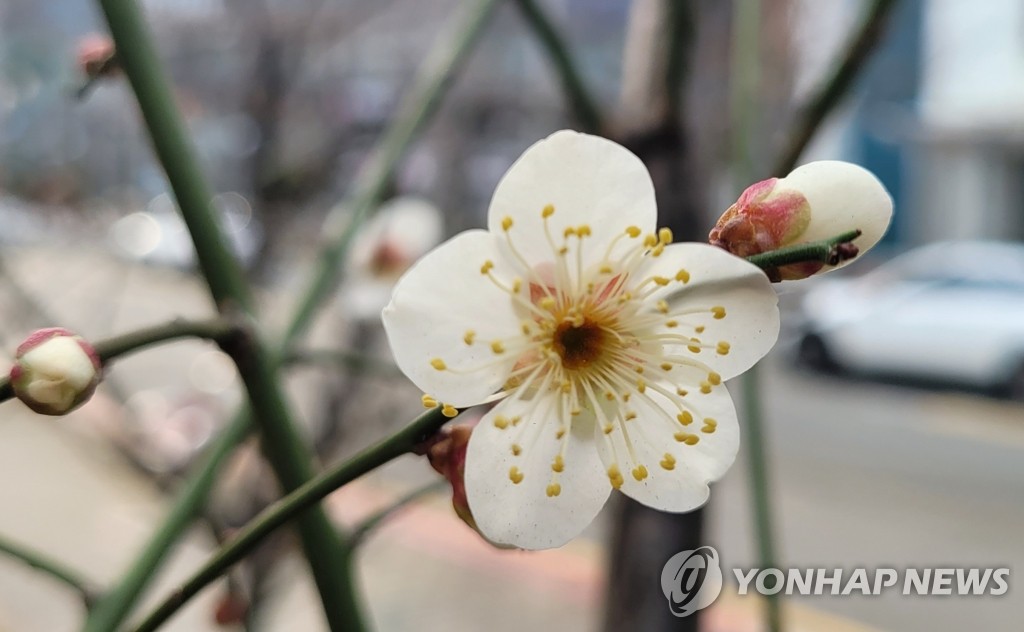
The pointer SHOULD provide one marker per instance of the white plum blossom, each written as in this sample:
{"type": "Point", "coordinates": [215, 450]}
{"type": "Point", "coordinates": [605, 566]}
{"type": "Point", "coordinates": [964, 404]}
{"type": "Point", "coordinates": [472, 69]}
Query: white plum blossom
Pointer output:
{"type": "Point", "coordinates": [815, 201]}
{"type": "Point", "coordinates": [606, 344]}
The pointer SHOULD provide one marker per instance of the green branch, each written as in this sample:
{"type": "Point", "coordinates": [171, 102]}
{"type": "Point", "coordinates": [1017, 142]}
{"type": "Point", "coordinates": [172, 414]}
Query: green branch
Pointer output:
{"type": "Point", "coordinates": [294, 505]}
{"type": "Point", "coordinates": [217, 330]}
{"type": "Point", "coordinates": [581, 103]}
{"type": "Point", "coordinates": [282, 443]}
{"type": "Point", "coordinates": [832, 90]}
{"type": "Point", "coordinates": [50, 567]}
{"type": "Point", "coordinates": [418, 107]}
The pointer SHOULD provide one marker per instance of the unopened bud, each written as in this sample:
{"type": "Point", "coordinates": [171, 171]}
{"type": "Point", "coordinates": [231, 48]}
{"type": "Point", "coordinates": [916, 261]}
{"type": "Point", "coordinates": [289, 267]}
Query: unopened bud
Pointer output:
{"type": "Point", "coordinates": [96, 56]}
{"type": "Point", "coordinates": [817, 201]}
{"type": "Point", "coordinates": [55, 371]}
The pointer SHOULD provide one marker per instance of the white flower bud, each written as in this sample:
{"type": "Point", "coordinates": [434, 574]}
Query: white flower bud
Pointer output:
{"type": "Point", "coordinates": [55, 371]}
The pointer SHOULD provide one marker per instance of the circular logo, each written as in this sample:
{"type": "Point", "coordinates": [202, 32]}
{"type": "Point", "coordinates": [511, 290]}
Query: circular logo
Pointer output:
{"type": "Point", "coordinates": [691, 580]}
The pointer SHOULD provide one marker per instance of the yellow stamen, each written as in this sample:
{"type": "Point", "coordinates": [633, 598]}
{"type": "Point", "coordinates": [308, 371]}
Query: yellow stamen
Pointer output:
{"type": "Point", "coordinates": [669, 462]}
{"type": "Point", "coordinates": [615, 476]}
{"type": "Point", "coordinates": [487, 267]}
{"type": "Point", "coordinates": [506, 223]}
{"type": "Point", "coordinates": [718, 311]}
{"type": "Point", "coordinates": [469, 337]}
{"type": "Point", "coordinates": [428, 401]}
{"type": "Point", "coordinates": [558, 465]}
{"type": "Point", "coordinates": [723, 348]}
{"type": "Point", "coordinates": [515, 475]}
{"type": "Point", "coordinates": [449, 411]}
{"type": "Point", "coordinates": [633, 232]}
{"type": "Point", "coordinates": [640, 472]}
{"type": "Point", "coordinates": [438, 364]}
{"type": "Point", "coordinates": [553, 490]}
{"type": "Point", "coordinates": [548, 211]}
{"type": "Point", "coordinates": [665, 236]}
{"type": "Point", "coordinates": [497, 347]}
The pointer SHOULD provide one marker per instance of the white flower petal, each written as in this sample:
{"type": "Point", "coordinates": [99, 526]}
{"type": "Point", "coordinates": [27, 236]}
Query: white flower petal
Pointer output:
{"type": "Point", "coordinates": [842, 196]}
{"type": "Point", "coordinates": [522, 514]}
{"type": "Point", "coordinates": [676, 473]}
{"type": "Point", "coordinates": [750, 324]}
{"type": "Point", "coordinates": [434, 305]}
{"type": "Point", "coordinates": [588, 180]}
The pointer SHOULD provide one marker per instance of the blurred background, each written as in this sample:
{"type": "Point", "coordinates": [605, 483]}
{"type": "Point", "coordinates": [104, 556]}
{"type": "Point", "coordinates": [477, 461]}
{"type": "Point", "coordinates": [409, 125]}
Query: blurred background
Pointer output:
{"type": "Point", "coordinates": [894, 425]}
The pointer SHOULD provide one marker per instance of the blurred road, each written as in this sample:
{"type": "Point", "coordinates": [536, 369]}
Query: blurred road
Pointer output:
{"type": "Point", "coordinates": [867, 474]}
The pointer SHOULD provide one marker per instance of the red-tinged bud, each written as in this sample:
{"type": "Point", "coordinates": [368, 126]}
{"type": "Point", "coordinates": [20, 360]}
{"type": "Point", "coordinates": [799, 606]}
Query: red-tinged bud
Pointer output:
{"type": "Point", "coordinates": [231, 610]}
{"type": "Point", "coordinates": [816, 201]}
{"type": "Point", "coordinates": [96, 56]}
{"type": "Point", "coordinates": [447, 455]}
{"type": "Point", "coordinates": [55, 371]}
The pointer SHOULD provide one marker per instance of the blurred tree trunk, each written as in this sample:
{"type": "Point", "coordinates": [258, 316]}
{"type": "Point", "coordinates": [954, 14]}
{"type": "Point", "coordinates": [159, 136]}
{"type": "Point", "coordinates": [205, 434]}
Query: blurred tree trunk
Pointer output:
{"type": "Point", "coordinates": [655, 68]}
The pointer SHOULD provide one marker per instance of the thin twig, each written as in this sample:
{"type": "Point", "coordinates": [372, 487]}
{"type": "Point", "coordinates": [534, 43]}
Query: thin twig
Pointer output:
{"type": "Point", "coordinates": [581, 103]}
{"type": "Point", "coordinates": [365, 528]}
{"type": "Point", "coordinates": [837, 85]}
{"type": "Point", "coordinates": [51, 567]}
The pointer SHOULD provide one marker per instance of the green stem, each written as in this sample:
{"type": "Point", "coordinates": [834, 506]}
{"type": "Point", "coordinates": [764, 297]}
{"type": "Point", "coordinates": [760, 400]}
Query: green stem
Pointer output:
{"type": "Point", "coordinates": [832, 90]}
{"type": "Point", "coordinates": [745, 78]}
{"type": "Point", "coordinates": [51, 567]}
{"type": "Point", "coordinates": [218, 330]}
{"type": "Point", "coordinates": [282, 443]}
{"type": "Point", "coordinates": [581, 103]}
{"type": "Point", "coordinates": [823, 251]}
{"type": "Point", "coordinates": [293, 505]}
{"type": "Point", "coordinates": [435, 76]}
{"type": "Point", "coordinates": [416, 110]}
{"type": "Point", "coordinates": [367, 526]}
{"type": "Point", "coordinates": [356, 362]}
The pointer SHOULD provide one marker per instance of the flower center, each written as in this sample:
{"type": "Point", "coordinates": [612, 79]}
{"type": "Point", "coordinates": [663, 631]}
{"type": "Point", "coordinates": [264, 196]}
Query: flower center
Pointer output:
{"type": "Point", "coordinates": [579, 346]}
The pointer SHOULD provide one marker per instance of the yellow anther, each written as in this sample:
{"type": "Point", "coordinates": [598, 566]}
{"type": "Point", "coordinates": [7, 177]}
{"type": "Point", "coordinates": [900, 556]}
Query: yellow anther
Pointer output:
{"type": "Point", "coordinates": [560, 433]}
{"type": "Point", "coordinates": [553, 490]}
{"type": "Point", "coordinates": [682, 392]}
{"type": "Point", "coordinates": [486, 267]}
{"type": "Point", "coordinates": [663, 306]}
{"type": "Point", "coordinates": [500, 422]}
{"type": "Point", "coordinates": [608, 429]}
{"type": "Point", "coordinates": [718, 311]}
{"type": "Point", "coordinates": [699, 329]}
{"type": "Point", "coordinates": [565, 387]}
{"type": "Point", "coordinates": [515, 420]}
{"type": "Point", "coordinates": [657, 250]}
{"type": "Point", "coordinates": [641, 386]}
{"type": "Point", "coordinates": [516, 449]}
{"type": "Point", "coordinates": [428, 401]}
{"type": "Point", "coordinates": [669, 462]}
{"type": "Point", "coordinates": [610, 396]}
{"type": "Point", "coordinates": [469, 336]}
{"type": "Point", "coordinates": [558, 465]}
{"type": "Point", "coordinates": [633, 232]}
{"type": "Point", "coordinates": [449, 411]}
{"type": "Point", "coordinates": [710, 425]}
{"type": "Point", "coordinates": [438, 364]}
{"type": "Point", "coordinates": [671, 323]}
{"type": "Point", "coordinates": [615, 476]}
{"type": "Point", "coordinates": [583, 230]}
{"type": "Point", "coordinates": [517, 284]}
{"type": "Point", "coordinates": [723, 348]}
{"type": "Point", "coordinates": [497, 347]}
{"type": "Point", "coordinates": [605, 269]}
{"type": "Point", "coordinates": [548, 211]}
{"type": "Point", "coordinates": [515, 475]}
{"type": "Point", "coordinates": [660, 280]}
{"type": "Point", "coordinates": [685, 418]}
{"type": "Point", "coordinates": [683, 276]}
{"type": "Point", "coordinates": [639, 368]}
{"type": "Point", "coordinates": [575, 412]}
{"type": "Point", "coordinates": [694, 345]}
{"type": "Point", "coordinates": [666, 366]}
{"type": "Point", "coordinates": [714, 378]}
{"type": "Point", "coordinates": [568, 232]}
{"type": "Point", "coordinates": [547, 303]}
{"type": "Point", "coordinates": [687, 438]}
{"type": "Point", "coordinates": [629, 416]}
{"type": "Point", "coordinates": [665, 235]}
{"type": "Point", "coordinates": [563, 250]}
{"type": "Point", "coordinates": [625, 397]}
{"type": "Point", "coordinates": [640, 472]}
{"type": "Point", "coordinates": [705, 387]}
{"type": "Point", "coordinates": [650, 240]}
{"type": "Point", "coordinates": [526, 329]}
{"type": "Point", "coordinates": [506, 223]}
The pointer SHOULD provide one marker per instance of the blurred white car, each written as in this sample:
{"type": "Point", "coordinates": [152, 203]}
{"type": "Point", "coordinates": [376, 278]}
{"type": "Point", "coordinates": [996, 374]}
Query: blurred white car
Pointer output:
{"type": "Point", "coordinates": [949, 312]}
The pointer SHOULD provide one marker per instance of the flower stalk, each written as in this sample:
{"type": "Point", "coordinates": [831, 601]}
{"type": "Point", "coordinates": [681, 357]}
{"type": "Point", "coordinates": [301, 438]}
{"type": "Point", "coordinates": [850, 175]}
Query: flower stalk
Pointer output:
{"type": "Point", "coordinates": [50, 567]}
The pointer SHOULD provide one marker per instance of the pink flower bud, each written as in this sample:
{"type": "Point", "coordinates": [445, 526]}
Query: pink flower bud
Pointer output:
{"type": "Point", "coordinates": [96, 56]}
{"type": "Point", "coordinates": [55, 371]}
{"type": "Point", "coordinates": [817, 201]}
